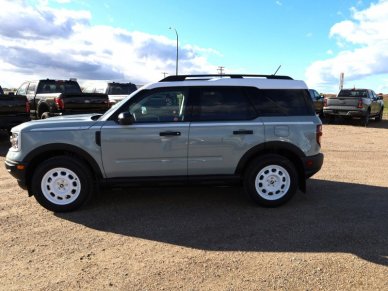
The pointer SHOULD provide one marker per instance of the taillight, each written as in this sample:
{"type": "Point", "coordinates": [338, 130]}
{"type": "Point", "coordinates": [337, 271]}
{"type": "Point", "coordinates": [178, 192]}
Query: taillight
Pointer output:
{"type": "Point", "coordinates": [59, 103]}
{"type": "Point", "coordinates": [27, 107]}
{"type": "Point", "coordinates": [319, 134]}
{"type": "Point", "coordinates": [359, 104]}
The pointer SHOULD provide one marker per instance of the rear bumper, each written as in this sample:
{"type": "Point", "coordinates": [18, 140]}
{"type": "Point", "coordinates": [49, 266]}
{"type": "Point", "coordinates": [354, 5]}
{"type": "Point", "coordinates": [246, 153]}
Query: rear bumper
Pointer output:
{"type": "Point", "coordinates": [17, 170]}
{"type": "Point", "coordinates": [312, 164]}
{"type": "Point", "coordinates": [341, 112]}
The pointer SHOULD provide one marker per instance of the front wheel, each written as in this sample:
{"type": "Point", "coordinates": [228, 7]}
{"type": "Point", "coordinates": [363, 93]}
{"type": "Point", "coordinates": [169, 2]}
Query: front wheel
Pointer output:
{"type": "Point", "coordinates": [62, 184]}
{"type": "Point", "coordinates": [271, 180]}
{"type": "Point", "coordinates": [380, 116]}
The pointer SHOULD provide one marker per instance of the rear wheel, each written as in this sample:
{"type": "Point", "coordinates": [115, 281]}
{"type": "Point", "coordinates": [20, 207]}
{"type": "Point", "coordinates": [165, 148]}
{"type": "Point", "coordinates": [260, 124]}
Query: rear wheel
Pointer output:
{"type": "Point", "coordinates": [365, 119]}
{"type": "Point", "coordinates": [271, 180]}
{"type": "Point", "coordinates": [45, 115]}
{"type": "Point", "coordinates": [62, 184]}
{"type": "Point", "coordinates": [380, 116]}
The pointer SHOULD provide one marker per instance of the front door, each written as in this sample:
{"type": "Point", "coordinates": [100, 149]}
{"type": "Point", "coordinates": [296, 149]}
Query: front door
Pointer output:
{"type": "Point", "coordinates": [155, 144]}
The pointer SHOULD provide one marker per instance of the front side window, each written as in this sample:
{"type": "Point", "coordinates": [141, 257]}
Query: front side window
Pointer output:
{"type": "Point", "coordinates": [221, 104]}
{"type": "Point", "coordinates": [166, 105]}
{"type": "Point", "coordinates": [22, 89]}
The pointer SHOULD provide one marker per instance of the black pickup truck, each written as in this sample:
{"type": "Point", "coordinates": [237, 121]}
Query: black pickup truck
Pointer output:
{"type": "Point", "coordinates": [61, 97]}
{"type": "Point", "coordinates": [14, 110]}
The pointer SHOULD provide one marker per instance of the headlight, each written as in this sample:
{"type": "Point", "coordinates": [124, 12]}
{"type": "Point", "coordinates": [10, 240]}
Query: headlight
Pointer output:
{"type": "Point", "coordinates": [15, 141]}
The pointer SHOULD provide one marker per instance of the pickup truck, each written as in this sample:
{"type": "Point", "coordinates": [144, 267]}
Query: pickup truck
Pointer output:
{"type": "Point", "coordinates": [61, 97]}
{"type": "Point", "coordinates": [116, 91]}
{"type": "Point", "coordinates": [14, 110]}
{"type": "Point", "coordinates": [354, 103]}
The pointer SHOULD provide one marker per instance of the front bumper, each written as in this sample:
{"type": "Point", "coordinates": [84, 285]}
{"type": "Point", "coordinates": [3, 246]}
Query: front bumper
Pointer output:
{"type": "Point", "coordinates": [17, 170]}
{"type": "Point", "coordinates": [312, 164]}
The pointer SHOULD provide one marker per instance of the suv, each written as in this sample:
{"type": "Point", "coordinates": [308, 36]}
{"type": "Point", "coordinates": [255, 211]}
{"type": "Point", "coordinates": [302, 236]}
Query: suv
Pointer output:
{"type": "Point", "coordinates": [258, 130]}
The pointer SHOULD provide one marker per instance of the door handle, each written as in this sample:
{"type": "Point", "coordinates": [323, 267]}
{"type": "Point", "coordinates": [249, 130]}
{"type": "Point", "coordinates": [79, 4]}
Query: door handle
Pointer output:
{"type": "Point", "coordinates": [241, 131]}
{"type": "Point", "coordinates": [170, 133]}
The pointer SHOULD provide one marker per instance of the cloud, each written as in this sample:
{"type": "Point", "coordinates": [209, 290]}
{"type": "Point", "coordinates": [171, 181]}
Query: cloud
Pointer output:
{"type": "Point", "coordinates": [363, 40]}
{"type": "Point", "coordinates": [42, 42]}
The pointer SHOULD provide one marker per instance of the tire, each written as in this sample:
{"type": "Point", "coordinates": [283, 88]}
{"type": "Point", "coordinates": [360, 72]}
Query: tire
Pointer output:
{"type": "Point", "coordinates": [62, 184]}
{"type": "Point", "coordinates": [380, 116]}
{"type": "Point", "coordinates": [365, 119]}
{"type": "Point", "coordinates": [45, 115]}
{"type": "Point", "coordinates": [271, 180]}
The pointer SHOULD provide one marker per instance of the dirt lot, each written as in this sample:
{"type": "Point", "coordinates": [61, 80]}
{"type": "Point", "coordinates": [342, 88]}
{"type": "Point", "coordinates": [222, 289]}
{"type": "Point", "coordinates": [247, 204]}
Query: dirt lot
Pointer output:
{"type": "Point", "coordinates": [335, 237]}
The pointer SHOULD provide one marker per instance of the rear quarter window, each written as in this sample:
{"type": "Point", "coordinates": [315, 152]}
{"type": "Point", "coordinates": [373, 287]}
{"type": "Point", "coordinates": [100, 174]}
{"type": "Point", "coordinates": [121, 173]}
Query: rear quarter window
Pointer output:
{"type": "Point", "coordinates": [281, 102]}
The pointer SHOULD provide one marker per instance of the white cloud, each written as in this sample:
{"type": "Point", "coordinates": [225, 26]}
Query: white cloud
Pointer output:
{"type": "Point", "coordinates": [363, 40]}
{"type": "Point", "coordinates": [57, 43]}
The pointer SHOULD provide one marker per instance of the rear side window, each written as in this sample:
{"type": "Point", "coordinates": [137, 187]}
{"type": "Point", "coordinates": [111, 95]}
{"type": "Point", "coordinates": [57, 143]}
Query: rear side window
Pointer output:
{"type": "Point", "coordinates": [221, 104]}
{"type": "Point", "coordinates": [284, 102]}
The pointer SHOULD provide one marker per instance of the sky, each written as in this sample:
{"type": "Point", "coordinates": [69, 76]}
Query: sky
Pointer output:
{"type": "Point", "coordinates": [127, 40]}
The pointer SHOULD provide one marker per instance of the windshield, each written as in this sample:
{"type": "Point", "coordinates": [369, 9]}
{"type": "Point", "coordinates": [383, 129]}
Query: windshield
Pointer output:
{"type": "Point", "coordinates": [118, 105]}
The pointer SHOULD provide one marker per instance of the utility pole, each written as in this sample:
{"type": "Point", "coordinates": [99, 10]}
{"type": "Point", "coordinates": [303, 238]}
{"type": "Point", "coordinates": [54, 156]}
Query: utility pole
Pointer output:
{"type": "Point", "coordinates": [221, 70]}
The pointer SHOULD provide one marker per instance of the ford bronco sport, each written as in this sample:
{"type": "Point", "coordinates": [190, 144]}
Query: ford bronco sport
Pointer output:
{"type": "Point", "coordinates": [258, 130]}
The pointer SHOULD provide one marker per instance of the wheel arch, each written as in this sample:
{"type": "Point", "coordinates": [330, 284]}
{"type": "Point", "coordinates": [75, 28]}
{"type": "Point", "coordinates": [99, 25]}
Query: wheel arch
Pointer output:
{"type": "Point", "coordinates": [287, 150]}
{"type": "Point", "coordinates": [41, 108]}
{"type": "Point", "coordinates": [59, 149]}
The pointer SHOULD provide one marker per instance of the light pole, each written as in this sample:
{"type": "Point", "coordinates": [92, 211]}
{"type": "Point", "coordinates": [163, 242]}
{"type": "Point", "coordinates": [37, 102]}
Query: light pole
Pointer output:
{"type": "Point", "coordinates": [176, 67]}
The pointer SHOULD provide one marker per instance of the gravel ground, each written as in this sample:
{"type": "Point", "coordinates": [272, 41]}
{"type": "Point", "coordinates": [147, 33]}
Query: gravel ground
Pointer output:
{"type": "Point", "coordinates": [334, 237]}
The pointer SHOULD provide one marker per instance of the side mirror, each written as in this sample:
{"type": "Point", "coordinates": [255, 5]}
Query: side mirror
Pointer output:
{"type": "Point", "coordinates": [126, 118]}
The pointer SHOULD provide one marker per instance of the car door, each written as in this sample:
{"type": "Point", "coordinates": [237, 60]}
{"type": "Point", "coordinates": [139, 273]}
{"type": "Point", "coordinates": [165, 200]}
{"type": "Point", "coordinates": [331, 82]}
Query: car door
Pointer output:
{"type": "Point", "coordinates": [155, 144]}
{"type": "Point", "coordinates": [375, 106]}
{"type": "Point", "coordinates": [223, 129]}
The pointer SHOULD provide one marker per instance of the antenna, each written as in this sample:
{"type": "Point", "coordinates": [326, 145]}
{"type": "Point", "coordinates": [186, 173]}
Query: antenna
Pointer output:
{"type": "Point", "coordinates": [277, 70]}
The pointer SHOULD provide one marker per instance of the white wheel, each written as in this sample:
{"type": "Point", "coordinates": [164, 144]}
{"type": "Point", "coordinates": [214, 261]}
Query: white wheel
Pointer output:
{"type": "Point", "coordinates": [62, 183]}
{"type": "Point", "coordinates": [272, 182]}
{"type": "Point", "coordinates": [61, 186]}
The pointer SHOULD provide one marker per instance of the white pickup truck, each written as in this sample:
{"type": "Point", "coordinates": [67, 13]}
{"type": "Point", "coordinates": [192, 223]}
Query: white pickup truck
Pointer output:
{"type": "Point", "coordinates": [354, 103]}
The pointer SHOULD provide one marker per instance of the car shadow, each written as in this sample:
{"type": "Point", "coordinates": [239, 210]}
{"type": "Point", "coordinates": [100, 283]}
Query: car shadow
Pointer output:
{"type": "Point", "coordinates": [331, 217]}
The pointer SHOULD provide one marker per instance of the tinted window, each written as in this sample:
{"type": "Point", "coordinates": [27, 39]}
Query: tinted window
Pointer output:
{"type": "Point", "coordinates": [284, 102]}
{"type": "Point", "coordinates": [167, 105]}
{"type": "Point", "coordinates": [121, 89]}
{"type": "Point", "coordinates": [353, 93]}
{"type": "Point", "coordinates": [52, 86]}
{"type": "Point", "coordinates": [221, 104]}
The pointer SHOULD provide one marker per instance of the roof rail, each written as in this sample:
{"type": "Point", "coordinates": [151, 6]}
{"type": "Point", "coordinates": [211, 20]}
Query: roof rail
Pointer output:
{"type": "Point", "coordinates": [176, 78]}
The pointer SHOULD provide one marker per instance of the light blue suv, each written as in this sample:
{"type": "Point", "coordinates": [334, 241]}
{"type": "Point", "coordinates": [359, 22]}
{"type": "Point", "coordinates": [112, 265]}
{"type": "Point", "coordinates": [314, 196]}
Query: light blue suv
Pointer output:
{"type": "Point", "coordinates": [257, 130]}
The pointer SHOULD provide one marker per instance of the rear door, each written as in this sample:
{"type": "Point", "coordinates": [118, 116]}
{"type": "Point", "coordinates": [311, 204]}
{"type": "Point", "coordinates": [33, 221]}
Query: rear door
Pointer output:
{"type": "Point", "coordinates": [156, 143]}
{"type": "Point", "coordinates": [223, 129]}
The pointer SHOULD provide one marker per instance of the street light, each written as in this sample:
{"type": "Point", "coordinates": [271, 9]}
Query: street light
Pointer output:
{"type": "Point", "coordinates": [176, 72]}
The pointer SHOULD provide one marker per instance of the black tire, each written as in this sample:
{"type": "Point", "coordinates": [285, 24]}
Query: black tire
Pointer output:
{"type": "Point", "coordinates": [365, 119]}
{"type": "Point", "coordinates": [380, 116]}
{"type": "Point", "coordinates": [45, 115]}
{"type": "Point", "coordinates": [271, 180]}
{"type": "Point", "coordinates": [62, 184]}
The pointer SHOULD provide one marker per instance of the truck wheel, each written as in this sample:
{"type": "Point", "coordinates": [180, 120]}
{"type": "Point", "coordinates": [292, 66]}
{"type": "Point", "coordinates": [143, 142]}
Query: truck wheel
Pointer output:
{"type": "Point", "coordinates": [45, 115]}
{"type": "Point", "coordinates": [62, 184]}
{"type": "Point", "coordinates": [270, 180]}
{"type": "Point", "coordinates": [365, 119]}
{"type": "Point", "coordinates": [380, 116]}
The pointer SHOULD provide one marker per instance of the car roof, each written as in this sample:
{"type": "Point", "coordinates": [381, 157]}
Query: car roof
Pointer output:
{"type": "Point", "coordinates": [259, 81]}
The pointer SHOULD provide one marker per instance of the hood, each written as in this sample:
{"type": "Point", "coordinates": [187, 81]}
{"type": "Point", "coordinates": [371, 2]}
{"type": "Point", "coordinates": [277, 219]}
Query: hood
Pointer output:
{"type": "Point", "coordinates": [79, 122]}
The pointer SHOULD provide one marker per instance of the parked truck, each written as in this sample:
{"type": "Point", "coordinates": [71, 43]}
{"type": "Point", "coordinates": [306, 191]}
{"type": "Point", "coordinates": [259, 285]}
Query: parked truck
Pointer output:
{"type": "Point", "coordinates": [14, 110]}
{"type": "Point", "coordinates": [354, 103]}
{"type": "Point", "coordinates": [61, 97]}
